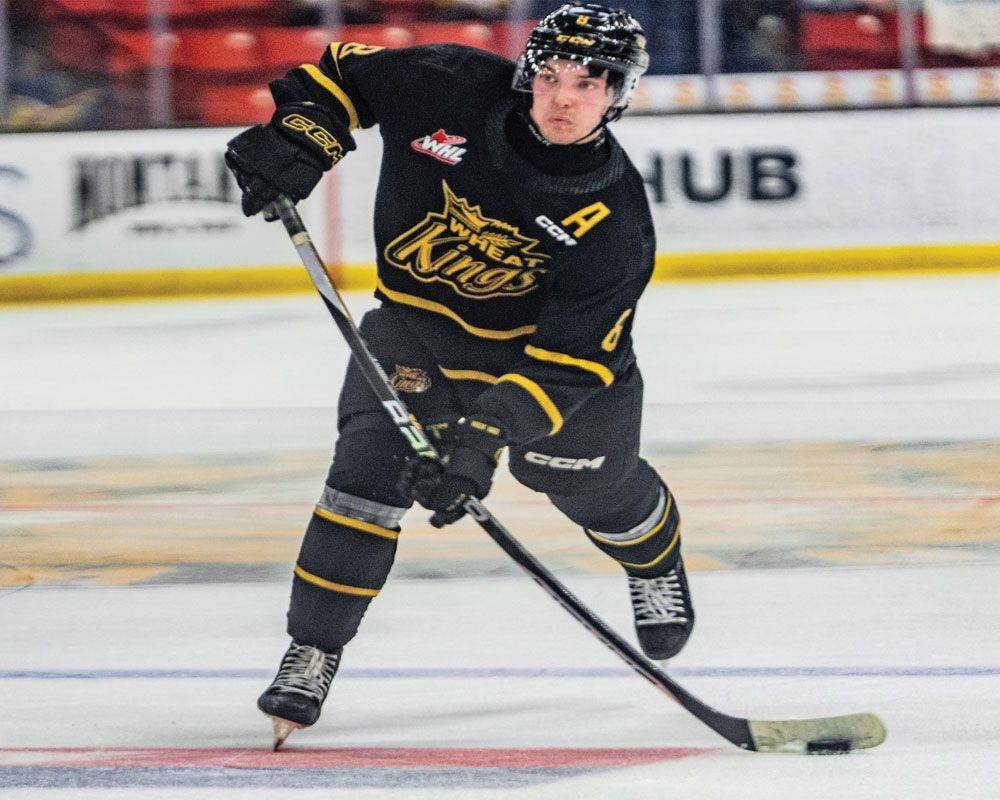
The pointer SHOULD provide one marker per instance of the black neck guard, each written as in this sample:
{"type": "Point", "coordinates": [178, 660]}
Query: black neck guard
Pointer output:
{"type": "Point", "coordinates": [518, 150]}
{"type": "Point", "coordinates": [553, 159]}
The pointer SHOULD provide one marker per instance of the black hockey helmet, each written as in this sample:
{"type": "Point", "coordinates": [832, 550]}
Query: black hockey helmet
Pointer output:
{"type": "Point", "coordinates": [599, 37]}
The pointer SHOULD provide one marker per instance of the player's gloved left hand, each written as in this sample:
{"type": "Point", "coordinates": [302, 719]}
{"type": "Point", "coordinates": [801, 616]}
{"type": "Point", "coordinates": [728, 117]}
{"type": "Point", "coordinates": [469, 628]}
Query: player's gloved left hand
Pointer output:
{"type": "Point", "coordinates": [467, 471]}
{"type": "Point", "coordinates": [287, 156]}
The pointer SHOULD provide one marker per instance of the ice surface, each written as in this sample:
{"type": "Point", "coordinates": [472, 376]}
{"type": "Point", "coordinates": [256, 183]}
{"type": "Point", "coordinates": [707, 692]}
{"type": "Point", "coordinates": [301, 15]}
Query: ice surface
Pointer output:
{"type": "Point", "coordinates": [836, 443]}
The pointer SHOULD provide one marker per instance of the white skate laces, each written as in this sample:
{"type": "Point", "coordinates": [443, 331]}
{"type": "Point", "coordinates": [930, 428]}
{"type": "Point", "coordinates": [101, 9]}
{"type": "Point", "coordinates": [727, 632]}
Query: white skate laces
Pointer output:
{"type": "Point", "coordinates": [656, 601]}
{"type": "Point", "coordinates": [306, 670]}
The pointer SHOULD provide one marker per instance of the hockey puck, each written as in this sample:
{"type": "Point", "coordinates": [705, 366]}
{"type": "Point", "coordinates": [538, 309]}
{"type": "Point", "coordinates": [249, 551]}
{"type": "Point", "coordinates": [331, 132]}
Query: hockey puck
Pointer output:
{"type": "Point", "coordinates": [826, 747]}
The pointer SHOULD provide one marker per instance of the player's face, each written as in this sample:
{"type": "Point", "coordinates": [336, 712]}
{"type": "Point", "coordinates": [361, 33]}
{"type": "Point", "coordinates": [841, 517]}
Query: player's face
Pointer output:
{"type": "Point", "coordinates": [567, 103]}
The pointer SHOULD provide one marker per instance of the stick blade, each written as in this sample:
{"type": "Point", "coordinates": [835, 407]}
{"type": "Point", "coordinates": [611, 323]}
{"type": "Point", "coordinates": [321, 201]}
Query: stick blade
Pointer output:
{"type": "Point", "coordinates": [821, 736]}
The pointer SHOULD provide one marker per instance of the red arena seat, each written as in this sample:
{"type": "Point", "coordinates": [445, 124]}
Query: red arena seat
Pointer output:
{"type": "Point", "coordinates": [235, 9]}
{"type": "Point", "coordinates": [846, 40]}
{"type": "Point", "coordinates": [221, 51]}
{"type": "Point", "coordinates": [132, 51]}
{"type": "Point", "coordinates": [380, 35]}
{"type": "Point", "coordinates": [396, 12]}
{"type": "Point", "coordinates": [235, 105]}
{"type": "Point", "coordinates": [137, 11]}
{"type": "Point", "coordinates": [284, 48]}
{"type": "Point", "coordinates": [80, 9]}
{"type": "Point", "coordinates": [474, 34]}
{"type": "Point", "coordinates": [76, 45]}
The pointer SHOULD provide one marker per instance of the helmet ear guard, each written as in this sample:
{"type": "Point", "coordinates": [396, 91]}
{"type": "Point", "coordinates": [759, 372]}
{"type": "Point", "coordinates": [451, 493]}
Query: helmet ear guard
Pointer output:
{"type": "Point", "coordinates": [598, 37]}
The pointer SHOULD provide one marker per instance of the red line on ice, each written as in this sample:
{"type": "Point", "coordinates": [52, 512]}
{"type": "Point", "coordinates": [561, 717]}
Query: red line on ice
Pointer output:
{"type": "Point", "coordinates": [344, 758]}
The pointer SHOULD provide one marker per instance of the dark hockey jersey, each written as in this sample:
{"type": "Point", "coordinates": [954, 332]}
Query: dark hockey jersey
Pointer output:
{"type": "Point", "coordinates": [549, 268]}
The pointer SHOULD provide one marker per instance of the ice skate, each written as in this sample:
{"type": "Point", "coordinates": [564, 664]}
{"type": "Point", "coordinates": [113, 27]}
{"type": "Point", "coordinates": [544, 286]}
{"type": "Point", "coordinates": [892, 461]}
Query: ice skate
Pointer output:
{"type": "Point", "coordinates": [663, 612]}
{"type": "Point", "coordinates": [295, 697]}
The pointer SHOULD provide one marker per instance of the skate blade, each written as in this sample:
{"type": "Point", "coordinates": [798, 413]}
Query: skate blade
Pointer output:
{"type": "Point", "coordinates": [283, 728]}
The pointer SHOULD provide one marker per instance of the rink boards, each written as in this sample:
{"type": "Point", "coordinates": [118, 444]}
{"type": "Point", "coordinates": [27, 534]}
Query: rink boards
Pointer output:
{"type": "Point", "coordinates": [154, 213]}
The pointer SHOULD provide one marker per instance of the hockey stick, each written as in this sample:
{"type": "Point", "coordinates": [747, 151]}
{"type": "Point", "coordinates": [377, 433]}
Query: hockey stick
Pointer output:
{"type": "Point", "coordinates": [821, 735]}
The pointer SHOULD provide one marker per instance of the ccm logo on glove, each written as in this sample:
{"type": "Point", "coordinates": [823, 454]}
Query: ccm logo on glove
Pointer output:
{"type": "Point", "coordinates": [317, 134]}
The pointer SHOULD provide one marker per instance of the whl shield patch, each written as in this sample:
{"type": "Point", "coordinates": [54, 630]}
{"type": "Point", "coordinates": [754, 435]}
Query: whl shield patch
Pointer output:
{"type": "Point", "coordinates": [442, 146]}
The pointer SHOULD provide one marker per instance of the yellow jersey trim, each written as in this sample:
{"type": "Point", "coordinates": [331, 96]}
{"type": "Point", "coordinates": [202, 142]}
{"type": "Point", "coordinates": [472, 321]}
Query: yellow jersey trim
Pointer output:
{"type": "Point", "coordinates": [352, 114]}
{"type": "Point", "coordinates": [669, 548]}
{"type": "Point", "coordinates": [358, 591]}
{"type": "Point", "coordinates": [601, 371]}
{"type": "Point", "coordinates": [335, 55]}
{"type": "Point", "coordinates": [468, 375]}
{"type": "Point", "coordinates": [539, 396]}
{"type": "Point", "coordinates": [656, 528]}
{"type": "Point", "coordinates": [366, 527]}
{"type": "Point", "coordinates": [440, 308]}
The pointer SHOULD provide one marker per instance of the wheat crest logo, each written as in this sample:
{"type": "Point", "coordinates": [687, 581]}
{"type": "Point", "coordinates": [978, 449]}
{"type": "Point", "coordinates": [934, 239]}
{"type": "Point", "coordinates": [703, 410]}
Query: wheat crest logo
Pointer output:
{"type": "Point", "coordinates": [478, 257]}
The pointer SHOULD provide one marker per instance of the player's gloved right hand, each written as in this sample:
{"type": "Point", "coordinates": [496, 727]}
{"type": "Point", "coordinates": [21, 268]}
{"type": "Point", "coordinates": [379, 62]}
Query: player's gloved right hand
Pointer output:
{"type": "Point", "coordinates": [287, 156]}
{"type": "Point", "coordinates": [443, 486]}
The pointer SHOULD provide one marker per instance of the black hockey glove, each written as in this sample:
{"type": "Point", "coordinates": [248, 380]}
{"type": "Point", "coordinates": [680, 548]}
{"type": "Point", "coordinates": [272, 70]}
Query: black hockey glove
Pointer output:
{"type": "Point", "coordinates": [467, 471]}
{"type": "Point", "coordinates": [288, 155]}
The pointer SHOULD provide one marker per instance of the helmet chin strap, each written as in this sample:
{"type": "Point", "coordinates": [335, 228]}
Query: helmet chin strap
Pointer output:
{"type": "Point", "coordinates": [609, 116]}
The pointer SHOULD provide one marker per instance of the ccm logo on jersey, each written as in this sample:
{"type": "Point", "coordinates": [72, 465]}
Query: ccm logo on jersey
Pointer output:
{"type": "Point", "coordinates": [442, 146]}
{"type": "Point", "coordinates": [555, 231]}
{"type": "Point", "coordinates": [563, 462]}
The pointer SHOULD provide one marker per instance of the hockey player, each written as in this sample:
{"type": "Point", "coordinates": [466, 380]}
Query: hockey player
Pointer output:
{"type": "Point", "coordinates": [513, 242]}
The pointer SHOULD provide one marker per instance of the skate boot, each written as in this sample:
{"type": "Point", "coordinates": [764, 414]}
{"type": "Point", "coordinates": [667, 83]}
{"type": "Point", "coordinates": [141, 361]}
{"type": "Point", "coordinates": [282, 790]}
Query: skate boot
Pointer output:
{"type": "Point", "coordinates": [295, 697]}
{"type": "Point", "coordinates": [663, 612]}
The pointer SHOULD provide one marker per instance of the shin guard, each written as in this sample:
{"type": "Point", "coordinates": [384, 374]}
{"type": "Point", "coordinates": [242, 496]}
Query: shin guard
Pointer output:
{"type": "Point", "coordinates": [649, 548]}
{"type": "Point", "coordinates": [345, 558]}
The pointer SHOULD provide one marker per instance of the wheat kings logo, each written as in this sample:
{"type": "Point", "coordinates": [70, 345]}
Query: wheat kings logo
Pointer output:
{"type": "Point", "coordinates": [477, 256]}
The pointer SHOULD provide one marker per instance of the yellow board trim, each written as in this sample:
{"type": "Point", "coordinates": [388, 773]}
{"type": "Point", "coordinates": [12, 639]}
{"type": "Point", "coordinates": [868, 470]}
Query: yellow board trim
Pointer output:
{"type": "Point", "coordinates": [601, 371]}
{"type": "Point", "coordinates": [468, 375]}
{"type": "Point", "coordinates": [539, 396]}
{"type": "Point", "coordinates": [145, 284]}
{"type": "Point", "coordinates": [358, 591]}
{"type": "Point", "coordinates": [352, 114]}
{"type": "Point", "coordinates": [440, 308]}
{"type": "Point", "coordinates": [632, 542]}
{"type": "Point", "coordinates": [166, 284]}
{"type": "Point", "coordinates": [669, 548]}
{"type": "Point", "coordinates": [366, 527]}
{"type": "Point", "coordinates": [149, 284]}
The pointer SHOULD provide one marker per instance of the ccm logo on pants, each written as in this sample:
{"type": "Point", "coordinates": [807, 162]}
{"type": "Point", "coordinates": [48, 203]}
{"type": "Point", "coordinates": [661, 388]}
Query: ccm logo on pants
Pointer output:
{"type": "Point", "coordinates": [561, 462]}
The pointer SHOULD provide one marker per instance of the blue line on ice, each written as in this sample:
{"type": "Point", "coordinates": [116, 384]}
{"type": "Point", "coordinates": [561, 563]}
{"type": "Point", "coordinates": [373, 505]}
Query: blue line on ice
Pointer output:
{"type": "Point", "coordinates": [514, 672]}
